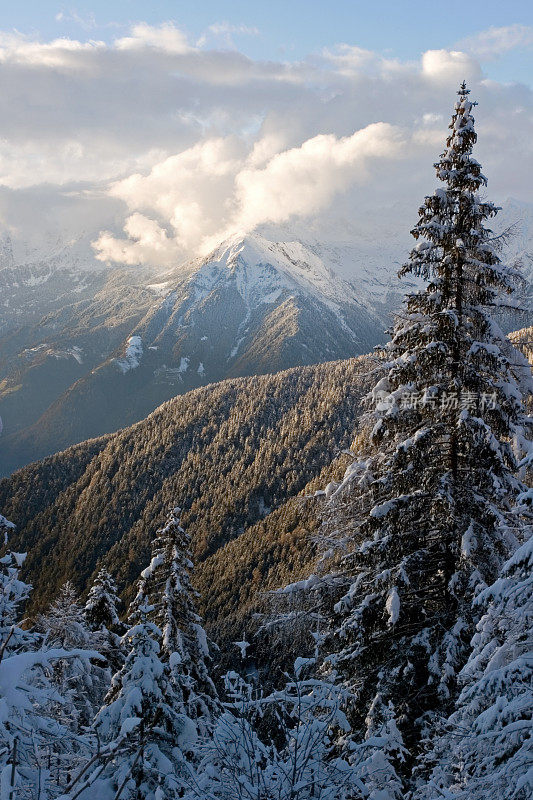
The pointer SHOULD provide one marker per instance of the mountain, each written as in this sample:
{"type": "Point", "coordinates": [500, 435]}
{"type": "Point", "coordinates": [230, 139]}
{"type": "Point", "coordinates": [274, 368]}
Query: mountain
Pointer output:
{"type": "Point", "coordinates": [85, 350]}
{"type": "Point", "coordinates": [253, 306]}
{"type": "Point", "coordinates": [239, 456]}
{"type": "Point", "coordinates": [58, 322]}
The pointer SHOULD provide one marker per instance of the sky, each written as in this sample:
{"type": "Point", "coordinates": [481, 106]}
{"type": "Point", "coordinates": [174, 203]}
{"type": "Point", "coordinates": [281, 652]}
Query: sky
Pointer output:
{"type": "Point", "coordinates": [157, 130]}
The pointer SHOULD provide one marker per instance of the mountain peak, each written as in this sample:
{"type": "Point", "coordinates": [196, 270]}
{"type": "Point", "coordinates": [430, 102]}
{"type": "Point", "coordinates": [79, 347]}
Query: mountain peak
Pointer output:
{"type": "Point", "coordinates": [260, 265]}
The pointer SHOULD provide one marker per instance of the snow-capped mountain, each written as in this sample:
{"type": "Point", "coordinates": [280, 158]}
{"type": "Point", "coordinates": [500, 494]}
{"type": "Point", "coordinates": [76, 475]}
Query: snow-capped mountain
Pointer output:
{"type": "Point", "coordinates": [252, 306]}
{"type": "Point", "coordinates": [86, 351]}
{"type": "Point", "coordinates": [258, 305]}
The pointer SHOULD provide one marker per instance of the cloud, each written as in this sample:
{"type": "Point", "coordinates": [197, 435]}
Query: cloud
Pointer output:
{"type": "Point", "coordinates": [450, 66]}
{"type": "Point", "coordinates": [169, 145]}
{"type": "Point", "coordinates": [166, 37]}
{"type": "Point", "coordinates": [225, 32]}
{"type": "Point", "coordinates": [215, 189]}
{"type": "Point", "coordinates": [495, 42]}
{"type": "Point", "coordinates": [304, 180]}
{"type": "Point", "coordinates": [147, 243]}
{"type": "Point", "coordinates": [62, 54]}
{"type": "Point", "coordinates": [188, 191]}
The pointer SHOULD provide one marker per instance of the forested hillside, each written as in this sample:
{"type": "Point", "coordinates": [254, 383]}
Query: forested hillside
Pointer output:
{"type": "Point", "coordinates": [237, 454]}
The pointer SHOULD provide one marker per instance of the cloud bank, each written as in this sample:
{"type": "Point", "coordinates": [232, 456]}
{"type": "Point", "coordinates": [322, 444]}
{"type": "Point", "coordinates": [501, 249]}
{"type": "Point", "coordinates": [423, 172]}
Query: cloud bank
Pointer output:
{"type": "Point", "coordinates": [161, 147]}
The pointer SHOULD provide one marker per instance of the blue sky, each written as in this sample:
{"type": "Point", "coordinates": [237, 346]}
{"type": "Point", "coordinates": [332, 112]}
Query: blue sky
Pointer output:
{"type": "Point", "coordinates": [292, 29]}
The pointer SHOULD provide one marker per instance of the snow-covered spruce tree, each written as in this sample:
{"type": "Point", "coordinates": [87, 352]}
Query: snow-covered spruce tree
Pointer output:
{"type": "Point", "coordinates": [166, 584]}
{"type": "Point", "coordinates": [102, 602]}
{"type": "Point", "coordinates": [80, 682]}
{"type": "Point", "coordinates": [143, 731]}
{"type": "Point", "coordinates": [101, 617]}
{"type": "Point", "coordinates": [13, 593]}
{"type": "Point", "coordinates": [486, 752]}
{"type": "Point", "coordinates": [277, 746]}
{"type": "Point", "coordinates": [63, 626]}
{"type": "Point", "coordinates": [36, 749]}
{"type": "Point", "coordinates": [422, 520]}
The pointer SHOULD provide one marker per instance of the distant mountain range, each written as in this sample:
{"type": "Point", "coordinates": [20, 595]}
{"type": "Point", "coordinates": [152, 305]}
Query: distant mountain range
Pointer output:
{"type": "Point", "coordinates": [85, 350]}
{"type": "Point", "coordinates": [117, 343]}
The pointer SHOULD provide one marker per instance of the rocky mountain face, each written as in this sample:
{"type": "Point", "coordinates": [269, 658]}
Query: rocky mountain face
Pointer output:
{"type": "Point", "coordinates": [57, 324]}
{"type": "Point", "coordinates": [107, 358]}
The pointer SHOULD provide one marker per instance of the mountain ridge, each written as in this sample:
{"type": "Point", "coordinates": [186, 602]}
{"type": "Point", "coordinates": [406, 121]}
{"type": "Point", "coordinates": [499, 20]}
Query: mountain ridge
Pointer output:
{"type": "Point", "coordinates": [251, 307]}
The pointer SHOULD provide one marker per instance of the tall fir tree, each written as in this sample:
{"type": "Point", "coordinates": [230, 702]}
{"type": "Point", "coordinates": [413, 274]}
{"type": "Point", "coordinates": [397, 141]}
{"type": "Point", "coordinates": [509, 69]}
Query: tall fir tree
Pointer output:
{"type": "Point", "coordinates": [166, 584]}
{"type": "Point", "coordinates": [422, 520]}
{"type": "Point", "coordinates": [101, 617]}
{"type": "Point", "coordinates": [145, 735]}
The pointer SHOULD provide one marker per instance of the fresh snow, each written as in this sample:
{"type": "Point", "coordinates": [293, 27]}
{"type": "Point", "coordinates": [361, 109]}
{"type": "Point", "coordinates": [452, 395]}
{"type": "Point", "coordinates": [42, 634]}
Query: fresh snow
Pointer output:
{"type": "Point", "coordinates": [132, 356]}
{"type": "Point", "coordinates": [393, 606]}
{"type": "Point", "coordinates": [263, 269]}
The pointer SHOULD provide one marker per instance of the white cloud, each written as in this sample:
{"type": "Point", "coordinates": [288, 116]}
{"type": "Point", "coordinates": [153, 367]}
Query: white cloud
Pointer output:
{"type": "Point", "coordinates": [225, 32]}
{"type": "Point", "coordinates": [450, 66]}
{"type": "Point", "coordinates": [303, 180]}
{"type": "Point", "coordinates": [166, 37]}
{"type": "Point", "coordinates": [495, 42]}
{"type": "Point", "coordinates": [147, 242]}
{"type": "Point", "coordinates": [57, 54]}
{"type": "Point", "coordinates": [209, 192]}
{"type": "Point", "coordinates": [180, 144]}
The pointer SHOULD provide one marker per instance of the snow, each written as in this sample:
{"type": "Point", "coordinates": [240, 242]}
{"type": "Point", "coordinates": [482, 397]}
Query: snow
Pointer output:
{"type": "Point", "coordinates": [383, 509]}
{"type": "Point", "coordinates": [298, 586]}
{"type": "Point", "coordinates": [468, 542]}
{"type": "Point", "coordinates": [72, 352]}
{"type": "Point", "coordinates": [158, 288]}
{"type": "Point", "coordinates": [5, 525]}
{"type": "Point", "coordinates": [174, 660]}
{"type": "Point", "coordinates": [132, 356]}
{"type": "Point", "coordinates": [243, 646]}
{"type": "Point", "coordinates": [393, 606]}
{"type": "Point", "coordinates": [263, 269]}
{"type": "Point", "coordinates": [129, 725]}
{"type": "Point", "coordinates": [154, 564]}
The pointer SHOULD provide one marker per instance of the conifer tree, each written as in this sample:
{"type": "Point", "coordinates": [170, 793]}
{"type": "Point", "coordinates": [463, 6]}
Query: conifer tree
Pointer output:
{"type": "Point", "coordinates": [13, 593]}
{"type": "Point", "coordinates": [277, 746]}
{"type": "Point", "coordinates": [422, 520]}
{"type": "Point", "coordinates": [37, 748]}
{"type": "Point", "coordinates": [142, 727]}
{"type": "Point", "coordinates": [102, 619]}
{"type": "Point", "coordinates": [102, 602]}
{"type": "Point", "coordinates": [486, 752]}
{"type": "Point", "coordinates": [166, 584]}
{"type": "Point", "coordinates": [79, 679]}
